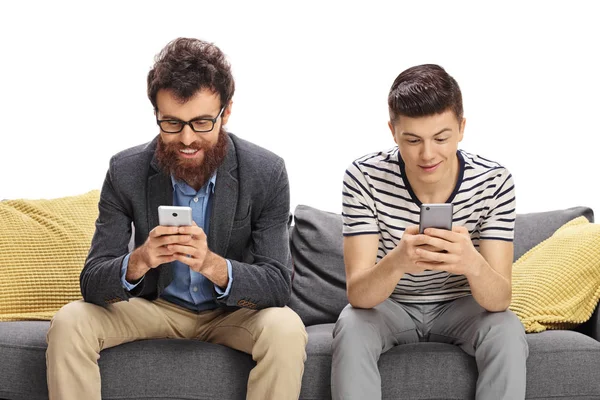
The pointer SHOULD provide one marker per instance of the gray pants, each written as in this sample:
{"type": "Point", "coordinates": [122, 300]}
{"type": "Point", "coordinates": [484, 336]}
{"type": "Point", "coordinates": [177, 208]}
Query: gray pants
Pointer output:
{"type": "Point", "coordinates": [497, 340]}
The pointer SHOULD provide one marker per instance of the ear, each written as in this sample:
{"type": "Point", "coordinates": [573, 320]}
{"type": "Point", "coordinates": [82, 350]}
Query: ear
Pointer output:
{"type": "Point", "coordinates": [461, 129]}
{"type": "Point", "coordinates": [227, 112]}
{"type": "Point", "coordinates": [392, 130]}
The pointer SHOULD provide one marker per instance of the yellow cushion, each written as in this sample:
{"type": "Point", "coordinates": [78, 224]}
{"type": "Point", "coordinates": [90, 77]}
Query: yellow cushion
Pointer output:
{"type": "Point", "coordinates": [556, 285]}
{"type": "Point", "coordinates": [43, 246]}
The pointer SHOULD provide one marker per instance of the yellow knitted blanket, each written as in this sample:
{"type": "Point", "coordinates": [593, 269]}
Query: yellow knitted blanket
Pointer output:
{"type": "Point", "coordinates": [556, 285]}
{"type": "Point", "coordinates": [43, 246]}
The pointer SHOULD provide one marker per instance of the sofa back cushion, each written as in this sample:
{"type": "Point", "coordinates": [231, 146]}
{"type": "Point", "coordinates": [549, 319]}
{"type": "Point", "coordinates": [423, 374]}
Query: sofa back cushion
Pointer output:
{"type": "Point", "coordinates": [319, 286]}
{"type": "Point", "coordinates": [316, 242]}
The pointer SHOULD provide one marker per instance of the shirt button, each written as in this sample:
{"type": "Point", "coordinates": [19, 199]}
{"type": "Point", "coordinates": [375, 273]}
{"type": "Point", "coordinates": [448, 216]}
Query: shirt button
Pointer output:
{"type": "Point", "coordinates": [195, 289]}
{"type": "Point", "coordinates": [195, 199]}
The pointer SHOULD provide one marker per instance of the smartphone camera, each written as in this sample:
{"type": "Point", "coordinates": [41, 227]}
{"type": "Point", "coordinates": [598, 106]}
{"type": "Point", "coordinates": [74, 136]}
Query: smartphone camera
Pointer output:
{"type": "Point", "coordinates": [427, 208]}
{"type": "Point", "coordinates": [174, 214]}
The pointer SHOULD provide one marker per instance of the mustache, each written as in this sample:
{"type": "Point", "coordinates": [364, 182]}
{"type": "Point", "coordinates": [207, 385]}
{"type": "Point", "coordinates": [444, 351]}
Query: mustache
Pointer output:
{"type": "Point", "coordinates": [193, 146]}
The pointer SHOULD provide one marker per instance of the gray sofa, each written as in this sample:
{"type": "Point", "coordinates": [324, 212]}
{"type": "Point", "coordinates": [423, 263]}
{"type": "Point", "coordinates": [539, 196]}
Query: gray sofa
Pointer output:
{"type": "Point", "coordinates": [561, 365]}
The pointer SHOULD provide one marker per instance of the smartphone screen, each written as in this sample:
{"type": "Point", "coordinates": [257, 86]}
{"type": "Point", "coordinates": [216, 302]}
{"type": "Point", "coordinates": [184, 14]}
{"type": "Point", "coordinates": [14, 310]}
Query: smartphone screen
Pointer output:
{"type": "Point", "coordinates": [436, 216]}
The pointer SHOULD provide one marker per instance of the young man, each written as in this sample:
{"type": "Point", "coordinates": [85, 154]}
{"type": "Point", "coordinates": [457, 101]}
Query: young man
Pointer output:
{"type": "Point", "coordinates": [224, 280]}
{"type": "Point", "coordinates": [444, 286]}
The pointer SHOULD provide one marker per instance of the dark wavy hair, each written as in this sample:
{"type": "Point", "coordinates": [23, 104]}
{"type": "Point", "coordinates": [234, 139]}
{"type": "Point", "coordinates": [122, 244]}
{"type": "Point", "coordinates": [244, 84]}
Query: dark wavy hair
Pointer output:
{"type": "Point", "coordinates": [186, 66]}
{"type": "Point", "coordinates": [424, 90]}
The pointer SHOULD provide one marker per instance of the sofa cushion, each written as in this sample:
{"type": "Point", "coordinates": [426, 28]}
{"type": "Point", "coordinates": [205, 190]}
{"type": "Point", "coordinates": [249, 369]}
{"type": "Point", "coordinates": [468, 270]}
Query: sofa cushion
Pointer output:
{"type": "Point", "coordinates": [556, 285]}
{"type": "Point", "coordinates": [23, 355]}
{"type": "Point", "coordinates": [43, 245]}
{"type": "Point", "coordinates": [146, 369]}
{"type": "Point", "coordinates": [534, 228]}
{"type": "Point", "coordinates": [319, 288]}
{"type": "Point", "coordinates": [561, 365]}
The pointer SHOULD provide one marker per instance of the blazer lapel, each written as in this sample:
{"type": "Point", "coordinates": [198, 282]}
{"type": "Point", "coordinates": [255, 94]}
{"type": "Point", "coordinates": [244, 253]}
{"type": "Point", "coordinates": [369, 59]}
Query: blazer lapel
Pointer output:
{"type": "Point", "coordinates": [224, 202]}
{"type": "Point", "coordinates": [160, 193]}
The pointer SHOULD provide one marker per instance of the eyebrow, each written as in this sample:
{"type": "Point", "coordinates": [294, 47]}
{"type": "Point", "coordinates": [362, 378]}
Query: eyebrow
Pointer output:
{"type": "Point", "coordinates": [417, 136]}
{"type": "Point", "coordinates": [204, 116]}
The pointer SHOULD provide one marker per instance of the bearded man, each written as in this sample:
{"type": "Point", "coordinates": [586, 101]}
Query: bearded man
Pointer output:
{"type": "Point", "coordinates": [226, 279]}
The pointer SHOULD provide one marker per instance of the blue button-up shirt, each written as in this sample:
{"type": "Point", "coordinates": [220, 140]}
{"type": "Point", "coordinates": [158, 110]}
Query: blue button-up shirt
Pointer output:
{"type": "Point", "coordinates": [190, 289]}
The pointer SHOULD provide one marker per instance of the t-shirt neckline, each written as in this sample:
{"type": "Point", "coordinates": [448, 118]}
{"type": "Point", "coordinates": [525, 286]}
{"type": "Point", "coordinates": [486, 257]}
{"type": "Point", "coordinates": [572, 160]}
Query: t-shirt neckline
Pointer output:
{"type": "Point", "coordinates": [461, 172]}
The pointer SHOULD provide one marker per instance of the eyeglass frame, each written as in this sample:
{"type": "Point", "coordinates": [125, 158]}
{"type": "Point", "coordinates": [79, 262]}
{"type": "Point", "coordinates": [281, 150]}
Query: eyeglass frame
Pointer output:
{"type": "Point", "coordinates": [184, 123]}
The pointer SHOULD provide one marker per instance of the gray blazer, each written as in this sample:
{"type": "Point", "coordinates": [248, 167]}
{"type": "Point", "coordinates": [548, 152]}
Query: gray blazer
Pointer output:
{"type": "Point", "coordinates": [248, 226]}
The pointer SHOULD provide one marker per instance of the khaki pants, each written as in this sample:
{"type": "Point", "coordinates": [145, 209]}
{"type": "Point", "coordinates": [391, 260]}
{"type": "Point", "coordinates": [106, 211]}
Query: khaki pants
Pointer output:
{"type": "Point", "coordinates": [275, 337]}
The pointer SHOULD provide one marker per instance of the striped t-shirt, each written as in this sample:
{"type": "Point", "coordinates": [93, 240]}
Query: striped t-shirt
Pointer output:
{"type": "Point", "coordinates": [378, 199]}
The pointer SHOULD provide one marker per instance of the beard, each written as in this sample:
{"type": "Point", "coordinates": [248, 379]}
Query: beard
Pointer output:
{"type": "Point", "coordinates": [190, 171]}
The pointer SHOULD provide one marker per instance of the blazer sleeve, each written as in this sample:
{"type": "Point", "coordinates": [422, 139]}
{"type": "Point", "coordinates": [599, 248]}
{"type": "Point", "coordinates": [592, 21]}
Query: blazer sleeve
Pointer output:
{"type": "Point", "coordinates": [266, 282]}
{"type": "Point", "coordinates": [100, 278]}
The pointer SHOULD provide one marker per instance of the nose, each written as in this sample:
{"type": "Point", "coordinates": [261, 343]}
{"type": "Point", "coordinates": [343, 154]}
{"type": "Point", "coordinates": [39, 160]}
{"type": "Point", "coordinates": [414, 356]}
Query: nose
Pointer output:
{"type": "Point", "coordinates": [187, 136]}
{"type": "Point", "coordinates": [426, 150]}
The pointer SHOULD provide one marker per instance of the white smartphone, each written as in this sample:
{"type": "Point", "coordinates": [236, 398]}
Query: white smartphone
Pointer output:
{"type": "Point", "coordinates": [174, 215]}
{"type": "Point", "coordinates": [436, 216]}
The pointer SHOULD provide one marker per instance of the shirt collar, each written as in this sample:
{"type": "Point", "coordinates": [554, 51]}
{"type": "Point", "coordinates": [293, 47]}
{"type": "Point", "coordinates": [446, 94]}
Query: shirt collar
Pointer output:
{"type": "Point", "coordinates": [189, 191]}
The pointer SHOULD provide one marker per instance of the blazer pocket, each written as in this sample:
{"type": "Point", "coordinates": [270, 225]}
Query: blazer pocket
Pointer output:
{"type": "Point", "coordinates": [242, 222]}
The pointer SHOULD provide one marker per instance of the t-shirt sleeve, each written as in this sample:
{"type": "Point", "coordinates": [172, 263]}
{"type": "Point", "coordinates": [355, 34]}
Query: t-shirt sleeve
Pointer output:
{"type": "Point", "coordinates": [358, 205]}
{"type": "Point", "coordinates": [499, 223]}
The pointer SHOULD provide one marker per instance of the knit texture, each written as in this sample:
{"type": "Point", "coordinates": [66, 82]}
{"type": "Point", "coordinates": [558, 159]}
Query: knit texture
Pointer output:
{"type": "Point", "coordinates": [43, 246]}
{"type": "Point", "coordinates": [556, 284]}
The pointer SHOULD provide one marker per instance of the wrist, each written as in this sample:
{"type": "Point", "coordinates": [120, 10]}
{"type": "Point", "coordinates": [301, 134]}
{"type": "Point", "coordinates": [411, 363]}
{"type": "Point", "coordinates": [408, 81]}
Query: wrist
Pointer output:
{"type": "Point", "coordinates": [210, 263]}
{"type": "Point", "coordinates": [215, 268]}
{"type": "Point", "coordinates": [137, 267]}
{"type": "Point", "coordinates": [477, 268]}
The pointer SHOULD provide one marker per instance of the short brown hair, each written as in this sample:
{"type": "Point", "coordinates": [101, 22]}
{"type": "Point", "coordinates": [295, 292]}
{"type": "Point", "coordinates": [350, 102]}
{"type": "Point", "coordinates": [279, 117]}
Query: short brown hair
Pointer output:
{"type": "Point", "coordinates": [424, 90]}
{"type": "Point", "coordinates": [186, 66]}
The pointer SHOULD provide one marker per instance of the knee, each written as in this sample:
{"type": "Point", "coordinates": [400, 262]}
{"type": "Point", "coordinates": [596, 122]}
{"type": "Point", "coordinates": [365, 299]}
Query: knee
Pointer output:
{"type": "Point", "coordinates": [507, 323]}
{"type": "Point", "coordinates": [506, 327]}
{"type": "Point", "coordinates": [356, 318]}
{"type": "Point", "coordinates": [69, 321]}
{"type": "Point", "coordinates": [354, 325]}
{"type": "Point", "coordinates": [282, 327]}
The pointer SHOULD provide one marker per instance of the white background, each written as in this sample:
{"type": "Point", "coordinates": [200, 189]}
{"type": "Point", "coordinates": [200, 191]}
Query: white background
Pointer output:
{"type": "Point", "coordinates": [312, 80]}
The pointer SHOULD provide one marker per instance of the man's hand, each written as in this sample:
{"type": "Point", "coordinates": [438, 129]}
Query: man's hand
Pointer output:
{"type": "Point", "coordinates": [192, 249]}
{"type": "Point", "coordinates": [153, 252]}
{"type": "Point", "coordinates": [457, 256]}
{"type": "Point", "coordinates": [405, 254]}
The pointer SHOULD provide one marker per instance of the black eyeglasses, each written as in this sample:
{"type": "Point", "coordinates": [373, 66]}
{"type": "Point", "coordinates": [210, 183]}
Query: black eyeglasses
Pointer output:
{"type": "Point", "coordinates": [199, 125]}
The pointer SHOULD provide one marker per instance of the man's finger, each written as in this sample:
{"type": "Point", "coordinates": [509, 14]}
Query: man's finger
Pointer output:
{"type": "Point", "coordinates": [432, 256]}
{"type": "Point", "coordinates": [445, 234]}
{"type": "Point", "coordinates": [163, 230]}
{"type": "Point", "coordinates": [412, 230]}
{"type": "Point", "coordinates": [177, 248]}
{"type": "Point", "coordinates": [429, 247]}
{"type": "Point", "coordinates": [460, 229]}
{"type": "Point", "coordinates": [438, 243]}
{"type": "Point", "coordinates": [192, 230]}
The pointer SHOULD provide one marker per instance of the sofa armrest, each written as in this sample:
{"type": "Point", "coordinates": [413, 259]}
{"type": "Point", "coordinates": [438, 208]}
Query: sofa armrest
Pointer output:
{"type": "Point", "coordinates": [592, 327]}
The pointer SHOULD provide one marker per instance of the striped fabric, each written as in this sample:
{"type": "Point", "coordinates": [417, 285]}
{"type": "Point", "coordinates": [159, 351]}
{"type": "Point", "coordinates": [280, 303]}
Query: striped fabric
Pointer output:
{"type": "Point", "coordinates": [378, 199]}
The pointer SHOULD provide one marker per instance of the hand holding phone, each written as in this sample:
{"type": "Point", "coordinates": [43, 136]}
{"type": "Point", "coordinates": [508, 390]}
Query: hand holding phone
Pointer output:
{"type": "Point", "coordinates": [152, 253]}
{"type": "Point", "coordinates": [188, 245]}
